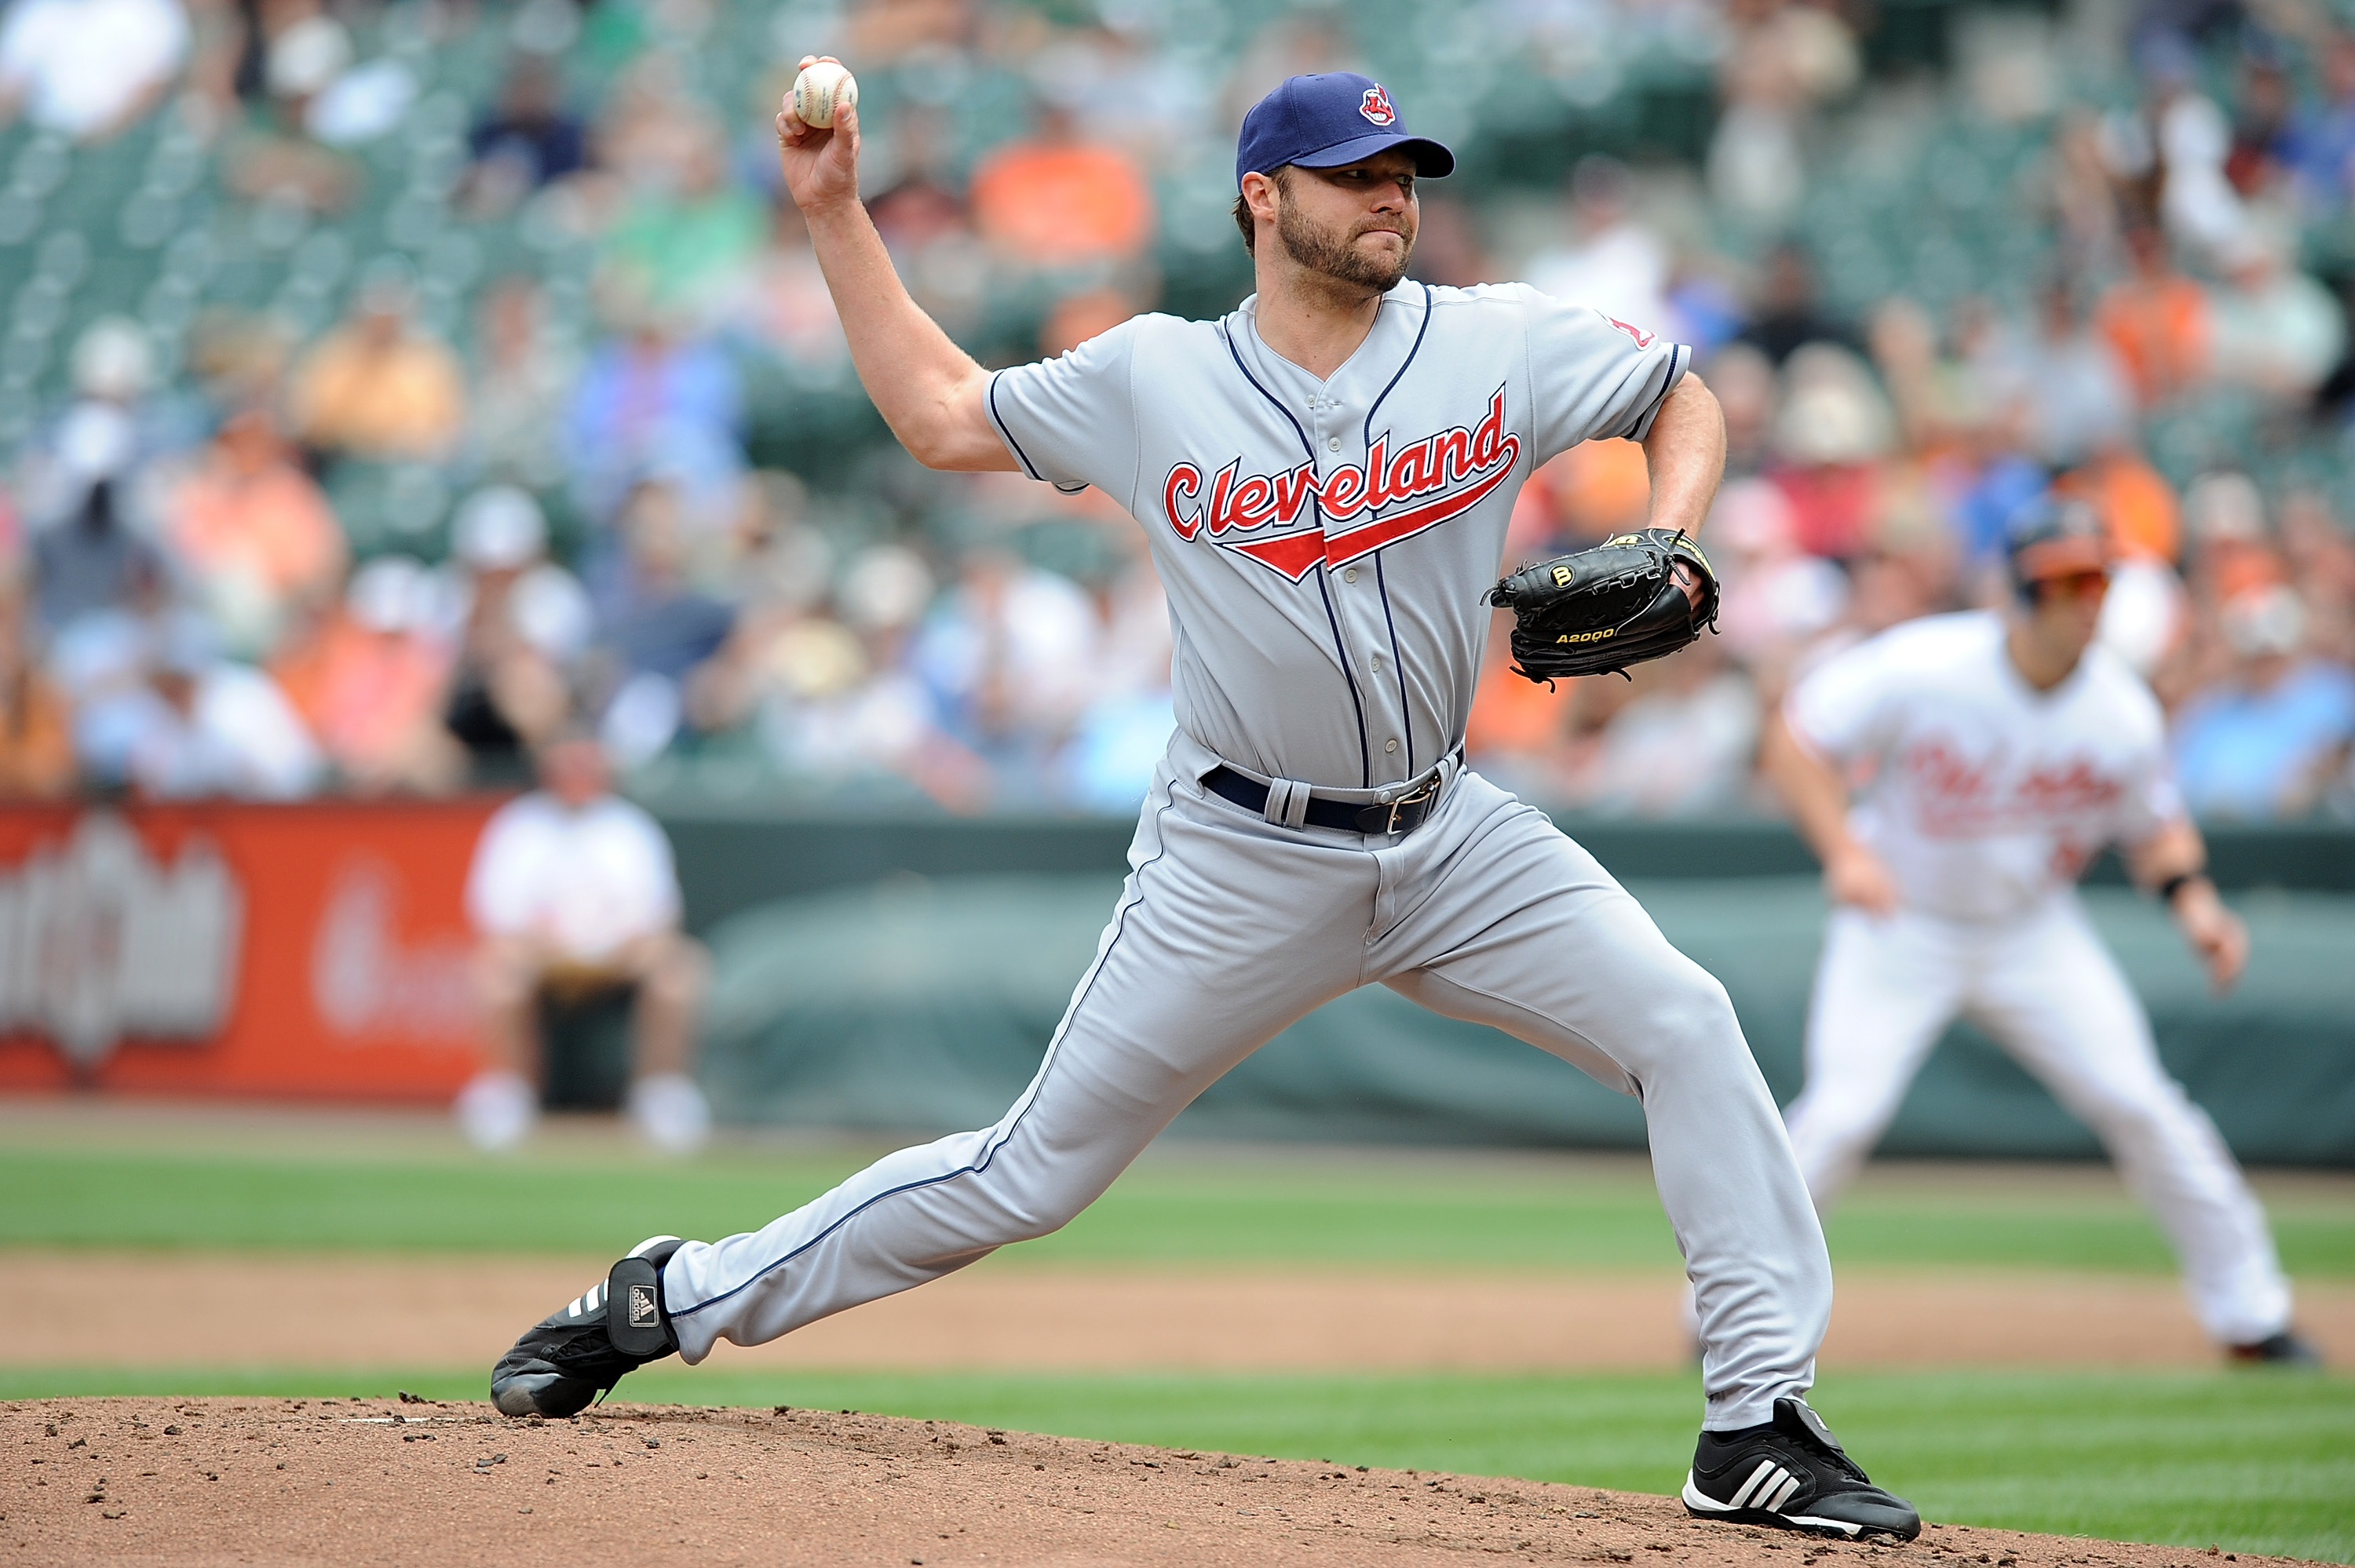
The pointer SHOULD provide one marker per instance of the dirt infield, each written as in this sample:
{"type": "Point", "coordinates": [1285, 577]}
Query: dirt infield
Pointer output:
{"type": "Point", "coordinates": [96, 1309]}
{"type": "Point", "coordinates": [216, 1481]}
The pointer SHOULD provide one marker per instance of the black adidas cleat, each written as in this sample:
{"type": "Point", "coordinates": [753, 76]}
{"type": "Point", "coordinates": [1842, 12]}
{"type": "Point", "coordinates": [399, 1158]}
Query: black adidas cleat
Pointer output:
{"type": "Point", "coordinates": [584, 1348]}
{"type": "Point", "coordinates": [1792, 1473]}
{"type": "Point", "coordinates": [2285, 1348]}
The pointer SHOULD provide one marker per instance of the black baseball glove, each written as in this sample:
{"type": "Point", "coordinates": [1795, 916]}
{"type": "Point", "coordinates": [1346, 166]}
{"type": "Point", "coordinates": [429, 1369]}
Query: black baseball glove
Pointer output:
{"type": "Point", "coordinates": [1632, 597]}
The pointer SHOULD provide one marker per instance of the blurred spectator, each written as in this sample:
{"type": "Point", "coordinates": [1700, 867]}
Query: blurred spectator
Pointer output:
{"type": "Point", "coordinates": [2073, 393]}
{"type": "Point", "coordinates": [1615, 263]}
{"type": "Point", "coordinates": [655, 627]}
{"type": "Point", "coordinates": [525, 141]}
{"type": "Point", "coordinates": [1788, 314]}
{"type": "Point", "coordinates": [783, 302]}
{"type": "Point", "coordinates": [1592, 491]}
{"type": "Point", "coordinates": [85, 556]}
{"type": "Point", "coordinates": [573, 893]}
{"type": "Point", "coordinates": [2136, 503]}
{"type": "Point", "coordinates": [2267, 742]}
{"type": "Point", "coordinates": [1776, 598]}
{"type": "Point", "coordinates": [847, 709]}
{"type": "Point", "coordinates": [2261, 107]}
{"type": "Point", "coordinates": [1009, 651]}
{"type": "Point", "coordinates": [1832, 429]}
{"type": "Point", "coordinates": [1119, 738]}
{"type": "Point", "coordinates": [83, 480]}
{"type": "Point", "coordinates": [2275, 330]}
{"type": "Point", "coordinates": [2080, 195]}
{"type": "Point", "coordinates": [2319, 144]}
{"type": "Point", "coordinates": [252, 533]}
{"type": "Point", "coordinates": [2320, 559]}
{"type": "Point", "coordinates": [2233, 549]}
{"type": "Point", "coordinates": [683, 243]}
{"type": "Point", "coordinates": [1058, 200]}
{"type": "Point", "coordinates": [113, 363]}
{"type": "Point", "coordinates": [947, 266]}
{"type": "Point", "coordinates": [275, 157]}
{"type": "Point", "coordinates": [376, 387]}
{"type": "Point", "coordinates": [1744, 379]}
{"type": "Point", "coordinates": [2197, 202]}
{"type": "Point", "coordinates": [2157, 319]}
{"type": "Point", "coordinates": [516, 409]}
{"type": "Point", "coordinates": [527, 622]}
{"type": "Point", "coordinates": [37, 752]}
{"type": "Point", "coordinates": [368, 680]}
{"type": "Point", "coordinates": [1153, 102]}
{"type": "Point", "coordinates": [650, 401]}
{"type": "Point", "coordinates": [88, 68]}
{"type": "Point", "coordinates": [1682, 746]}
{"type": "Point", "coordinates": [1937, 398]}
{"type": "Point", "coordinates": [1780, 61]}
{"type": "Point", "coordinates": [205, 726]}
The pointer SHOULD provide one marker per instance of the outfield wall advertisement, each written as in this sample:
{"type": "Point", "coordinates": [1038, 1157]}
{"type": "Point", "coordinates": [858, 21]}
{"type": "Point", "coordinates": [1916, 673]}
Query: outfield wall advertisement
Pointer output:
{"type": "Point", "coordinates": [315, 950]}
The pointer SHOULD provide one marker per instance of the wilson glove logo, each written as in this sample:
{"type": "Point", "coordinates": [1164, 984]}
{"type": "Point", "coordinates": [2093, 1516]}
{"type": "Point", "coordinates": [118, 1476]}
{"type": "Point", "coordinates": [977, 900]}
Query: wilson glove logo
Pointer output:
{"type": "Point", "coordinates": [1354, 509]}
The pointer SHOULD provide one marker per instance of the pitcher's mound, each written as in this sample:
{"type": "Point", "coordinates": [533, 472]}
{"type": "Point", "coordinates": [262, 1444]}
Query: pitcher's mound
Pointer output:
{"type": "Point", "coordinates": [254, 1481]}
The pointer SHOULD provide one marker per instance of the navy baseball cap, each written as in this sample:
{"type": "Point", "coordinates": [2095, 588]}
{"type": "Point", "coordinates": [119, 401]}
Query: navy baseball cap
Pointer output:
{"type": "Point", "coordinates": [2053, 538]}
{"type": "Point", "coordinates": [1326, 120]}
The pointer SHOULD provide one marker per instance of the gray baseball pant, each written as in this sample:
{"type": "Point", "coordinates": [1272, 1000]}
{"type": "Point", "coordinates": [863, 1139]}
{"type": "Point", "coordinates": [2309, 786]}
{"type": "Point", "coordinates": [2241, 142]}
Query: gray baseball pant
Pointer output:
{"type": "Point", "coordinates": [1228, 930]}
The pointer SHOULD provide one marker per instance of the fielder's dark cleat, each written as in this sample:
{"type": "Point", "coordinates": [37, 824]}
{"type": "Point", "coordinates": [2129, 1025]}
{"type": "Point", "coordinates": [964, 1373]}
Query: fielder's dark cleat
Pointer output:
{"type": "Point", "coordinates": [580, 1349]}
{"type": "Point", "coordinates": [2282, 1350]}
{"type": "Point", "coordinates": [1792, 1473]}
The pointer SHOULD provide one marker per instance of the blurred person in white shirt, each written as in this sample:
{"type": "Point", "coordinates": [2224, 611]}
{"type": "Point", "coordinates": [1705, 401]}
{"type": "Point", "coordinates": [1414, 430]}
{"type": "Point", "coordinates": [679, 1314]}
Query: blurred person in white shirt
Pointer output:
{"type": "Point", "coordinates": [573, 893]}
{"type": "Point", "coordinates": [1618, 263]}
{"type": "Point", "coordinates": [1009, 652]}
{"type": "Point", "coordinates": [203, 725]}
{"type": "Point", "coordinates": [2278, 330]}
{"type": "Point", "coordinates": [88, 68]}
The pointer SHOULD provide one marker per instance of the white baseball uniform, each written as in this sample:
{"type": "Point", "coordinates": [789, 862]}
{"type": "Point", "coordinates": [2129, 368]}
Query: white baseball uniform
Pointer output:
{"type": "Point", "coordinates": [1325, 546]}
{"type": "Point", "coordinates": [1987, 798]}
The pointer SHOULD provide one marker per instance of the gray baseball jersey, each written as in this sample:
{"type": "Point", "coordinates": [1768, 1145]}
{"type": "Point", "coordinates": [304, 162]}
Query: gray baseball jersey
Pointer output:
{"type": "Point", "coordinates": [1327, 545]}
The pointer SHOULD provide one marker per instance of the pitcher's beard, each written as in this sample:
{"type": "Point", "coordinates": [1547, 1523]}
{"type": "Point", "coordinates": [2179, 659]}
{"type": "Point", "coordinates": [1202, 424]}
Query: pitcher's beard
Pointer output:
{"type": "Point", "coordinates": [1323, 250]}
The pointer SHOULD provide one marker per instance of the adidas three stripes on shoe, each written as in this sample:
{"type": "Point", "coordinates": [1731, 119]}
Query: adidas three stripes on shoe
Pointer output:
{"type": "Point", "coordinates": [1792, 1473]}
{"type": "Point", "coordinates": [584, 1347]}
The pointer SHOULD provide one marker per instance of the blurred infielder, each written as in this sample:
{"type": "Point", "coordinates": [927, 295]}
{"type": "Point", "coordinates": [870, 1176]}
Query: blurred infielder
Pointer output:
{"type": "Point", "coordinates": [2005, 752]}
{"type": "Point", "coordinates": [1325, 475]}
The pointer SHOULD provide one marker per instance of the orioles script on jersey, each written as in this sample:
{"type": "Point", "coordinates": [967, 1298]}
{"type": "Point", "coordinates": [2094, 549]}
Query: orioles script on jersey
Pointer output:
{"type": "Point", "coordinates": [1960, 797]}
{"type": "Point", "coordinates": [1444, 475]}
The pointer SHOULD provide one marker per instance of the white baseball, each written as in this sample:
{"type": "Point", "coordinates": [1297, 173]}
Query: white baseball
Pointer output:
{"type": "Point", "coordinates": [821, 89]}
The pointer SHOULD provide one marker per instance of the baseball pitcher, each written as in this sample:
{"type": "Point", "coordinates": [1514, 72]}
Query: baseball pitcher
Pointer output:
{"type": "Point", "coordinates": [1325, 476]}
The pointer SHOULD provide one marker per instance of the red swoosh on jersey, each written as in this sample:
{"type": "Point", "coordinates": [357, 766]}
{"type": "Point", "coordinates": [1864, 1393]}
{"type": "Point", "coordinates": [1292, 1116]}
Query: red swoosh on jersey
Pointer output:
{"type": "Point", "coordinates": [1290, 554]}
{"type": "Point", "coordinates": [1342, 548]}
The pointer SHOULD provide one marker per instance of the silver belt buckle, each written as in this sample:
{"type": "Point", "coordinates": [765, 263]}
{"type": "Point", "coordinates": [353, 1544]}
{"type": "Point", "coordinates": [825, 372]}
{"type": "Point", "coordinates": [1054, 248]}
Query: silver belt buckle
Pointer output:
{"type": "Point", "coordinates": [1430, 787]}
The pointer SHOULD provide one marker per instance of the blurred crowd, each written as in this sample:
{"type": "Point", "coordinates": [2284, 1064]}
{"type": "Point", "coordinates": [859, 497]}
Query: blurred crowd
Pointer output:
{"type": "Point", "coordinates": [540, 418]}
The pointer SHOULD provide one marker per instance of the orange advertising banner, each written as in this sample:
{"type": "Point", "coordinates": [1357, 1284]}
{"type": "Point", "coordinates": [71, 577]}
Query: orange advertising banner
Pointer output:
{"type": "Point", "coordinates": [315, 950]}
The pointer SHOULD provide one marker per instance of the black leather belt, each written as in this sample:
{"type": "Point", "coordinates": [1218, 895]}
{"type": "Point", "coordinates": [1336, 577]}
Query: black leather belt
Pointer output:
{"type": "Point", "coordinates": [1403, 815]}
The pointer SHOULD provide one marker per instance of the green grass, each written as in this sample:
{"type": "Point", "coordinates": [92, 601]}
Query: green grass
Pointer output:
{"type": "Point", "coordinates": [2254, 1461]}
{"type": "Point", "coordinates": [1349, 1209]}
